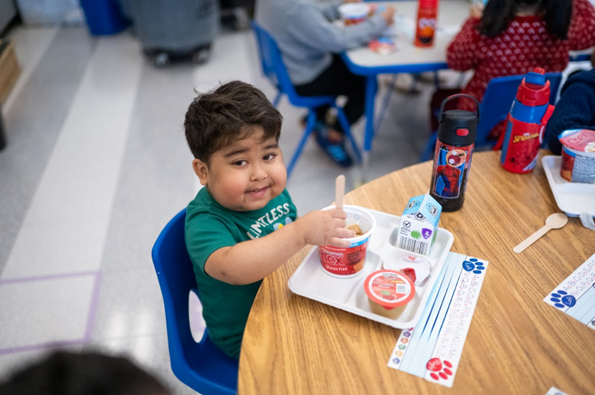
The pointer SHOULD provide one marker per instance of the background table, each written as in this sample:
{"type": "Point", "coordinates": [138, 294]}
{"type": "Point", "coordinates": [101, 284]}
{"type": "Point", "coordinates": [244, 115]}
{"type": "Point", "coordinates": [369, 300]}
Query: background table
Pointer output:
{"type": "Point", "coordinates": [407, 58]}
{"type": "Point", "coordinates": [517, 344]}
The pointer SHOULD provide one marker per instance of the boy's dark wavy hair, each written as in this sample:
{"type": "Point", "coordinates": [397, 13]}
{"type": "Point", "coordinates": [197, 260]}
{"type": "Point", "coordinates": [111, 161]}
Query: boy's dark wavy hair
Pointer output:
{"type": "Point", "coordinates": [498, 14]}
{"type": "Point", "coordinates": [230, 112]}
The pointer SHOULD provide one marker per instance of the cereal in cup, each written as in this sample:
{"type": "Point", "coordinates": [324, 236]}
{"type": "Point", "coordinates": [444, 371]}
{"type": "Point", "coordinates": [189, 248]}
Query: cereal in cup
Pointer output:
{"type": "Point", "coordinates": [389, 292]}
{"type": "Point", "coordinates": [345, 262]}
{"type": "Point", "coordinates": [354, 13]}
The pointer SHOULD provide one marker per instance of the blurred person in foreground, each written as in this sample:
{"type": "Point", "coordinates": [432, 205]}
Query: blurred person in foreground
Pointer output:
{"type": "Point", "coordinates": [85, 373]}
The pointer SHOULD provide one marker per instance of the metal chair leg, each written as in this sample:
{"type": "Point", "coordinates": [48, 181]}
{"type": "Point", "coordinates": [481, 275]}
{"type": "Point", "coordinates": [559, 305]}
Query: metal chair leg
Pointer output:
{"type": "Point", "coordinates": [347, 130]}
{"type": "Point", "coordinates": [298, 151]}
{"type": "Point", "coordinates": [384, 107]}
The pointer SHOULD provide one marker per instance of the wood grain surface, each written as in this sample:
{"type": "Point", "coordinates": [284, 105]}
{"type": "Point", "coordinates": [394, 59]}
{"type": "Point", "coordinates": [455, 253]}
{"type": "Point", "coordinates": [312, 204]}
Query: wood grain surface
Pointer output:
{"type": "Point", "coordinates": [517, 344]}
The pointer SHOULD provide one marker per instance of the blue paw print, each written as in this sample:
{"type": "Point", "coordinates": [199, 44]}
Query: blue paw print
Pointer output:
{"type": "Point", "coordinates": [561, 299]}
{"type": "Point", "coordinates": [473, 265]}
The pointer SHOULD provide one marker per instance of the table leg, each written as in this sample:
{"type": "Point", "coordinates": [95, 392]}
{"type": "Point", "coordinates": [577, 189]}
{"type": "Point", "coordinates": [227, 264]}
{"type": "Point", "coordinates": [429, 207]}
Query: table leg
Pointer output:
{"type": "Point", "coordinates": [2, 131]}
{"type": "Point", "coordinates": [371, 89]}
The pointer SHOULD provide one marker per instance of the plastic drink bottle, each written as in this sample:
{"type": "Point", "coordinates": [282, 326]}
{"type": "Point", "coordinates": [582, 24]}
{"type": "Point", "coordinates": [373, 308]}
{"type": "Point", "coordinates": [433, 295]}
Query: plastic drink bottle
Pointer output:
{"type": "Point", "coordinates": [426, 23]}
{"type": "Point", "coordinates": [525, 124]}
{"type": "Point", "coordinates": [452, 157]}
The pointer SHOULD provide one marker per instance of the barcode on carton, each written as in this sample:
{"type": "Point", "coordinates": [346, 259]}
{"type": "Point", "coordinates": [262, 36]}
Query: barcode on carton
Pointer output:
{"type": "Point", "coordinates": [416, 246]}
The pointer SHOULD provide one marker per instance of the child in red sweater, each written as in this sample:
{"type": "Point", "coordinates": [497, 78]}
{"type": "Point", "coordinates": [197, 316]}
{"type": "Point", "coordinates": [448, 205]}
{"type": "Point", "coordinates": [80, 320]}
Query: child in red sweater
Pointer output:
{"type": "Point", "coordinates": [514, 36]}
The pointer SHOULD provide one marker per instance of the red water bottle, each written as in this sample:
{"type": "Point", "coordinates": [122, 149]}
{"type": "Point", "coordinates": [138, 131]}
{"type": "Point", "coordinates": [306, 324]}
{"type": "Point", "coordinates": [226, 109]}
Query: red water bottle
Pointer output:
{"type": "Point", "coordinates": [525, 124]}
{"type": "Point", "coordinates": [427, 15]}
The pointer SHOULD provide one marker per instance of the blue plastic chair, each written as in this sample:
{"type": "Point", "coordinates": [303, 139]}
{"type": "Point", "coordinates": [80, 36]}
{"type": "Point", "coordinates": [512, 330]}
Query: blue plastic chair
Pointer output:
{"type": "Point", "coordinates": [495, 106]}
{"type": "Point", "coordinates": [201, 366]}
{"type": "Point", "coordinates": [274, 69]}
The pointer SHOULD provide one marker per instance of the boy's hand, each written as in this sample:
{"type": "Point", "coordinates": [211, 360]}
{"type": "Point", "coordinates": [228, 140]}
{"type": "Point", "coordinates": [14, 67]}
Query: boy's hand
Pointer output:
{"type": "Point", "coordinates": [389, 15]}
{"type": "Point", "coordinates": [325, 228]}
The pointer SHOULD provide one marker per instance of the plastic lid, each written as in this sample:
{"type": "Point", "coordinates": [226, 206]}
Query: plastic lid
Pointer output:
{"type": "Point", "coordinates": [582, 140]}
{"type": "Point", "coordinates": [389, 288]}
{"type": "Point", "coordinates": [534, 89]}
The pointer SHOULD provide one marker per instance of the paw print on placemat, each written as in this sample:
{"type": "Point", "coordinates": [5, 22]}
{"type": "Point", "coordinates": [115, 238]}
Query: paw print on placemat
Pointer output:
{"type": "Point", "coordinates": [439, 369]}
{"type": "Point", "coordinates": [474, 265]}
{"type": "Point", "coordinates": [562, 300]}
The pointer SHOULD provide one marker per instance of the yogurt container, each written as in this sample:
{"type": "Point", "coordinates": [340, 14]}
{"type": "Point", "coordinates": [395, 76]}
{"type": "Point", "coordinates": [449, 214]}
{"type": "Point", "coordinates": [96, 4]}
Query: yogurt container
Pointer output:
{"type": "Point", "coordinates": [578, 156]}
{"type": "Point", "coordinates": [389, 292]}
{"type": "Point", "coordinates": [348, 262]}
{"type": "Point", "coordinates": [354, 13]}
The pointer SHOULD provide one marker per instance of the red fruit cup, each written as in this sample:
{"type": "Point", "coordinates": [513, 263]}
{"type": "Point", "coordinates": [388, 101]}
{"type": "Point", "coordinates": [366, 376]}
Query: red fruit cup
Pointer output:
{"type": "Point", "coordinates": [346, 262]}
{"type": "Point", "coordinates": [389, 292]}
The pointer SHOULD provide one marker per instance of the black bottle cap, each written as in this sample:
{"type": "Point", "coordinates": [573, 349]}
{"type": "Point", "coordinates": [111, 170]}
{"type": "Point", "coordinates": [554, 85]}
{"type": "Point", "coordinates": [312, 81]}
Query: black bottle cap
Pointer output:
{"type": "Point", "coordinates": [458, 127]}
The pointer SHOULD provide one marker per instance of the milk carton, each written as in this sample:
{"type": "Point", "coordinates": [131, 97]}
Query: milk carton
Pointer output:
{"type": "Point", "coordinates": [419, 224]}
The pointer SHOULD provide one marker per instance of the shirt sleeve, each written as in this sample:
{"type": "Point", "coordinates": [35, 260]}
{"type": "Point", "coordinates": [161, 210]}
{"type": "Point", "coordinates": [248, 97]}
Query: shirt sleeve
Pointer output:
{"type": "Point", "coordinates": [581, 33]}
{"type": "Point", "coordinates": [204, 235]}
{"type": "Point", "coordinates": [310, 27]}
{"type": "Point", "coordinates": [461, 53]}
{"type": "Point", "coordinates": [574, 110]}
{"type": "Point", "coordinates": [330, 10]}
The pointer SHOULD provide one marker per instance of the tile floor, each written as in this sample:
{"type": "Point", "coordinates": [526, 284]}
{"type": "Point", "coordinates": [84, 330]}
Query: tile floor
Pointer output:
{"type": "Point", "coordinates": [96, 164]}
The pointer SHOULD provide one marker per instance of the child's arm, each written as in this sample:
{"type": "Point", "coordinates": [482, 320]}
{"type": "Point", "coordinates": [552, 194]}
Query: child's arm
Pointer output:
{"type": "Point", "coordinates": [461, 54]}
{"type": "Point", "coordinates": [574, 110]}
{"type": "Point", "coordinates": [310, 27]}
{"type": "Point", "coordinates": [581, 33]}
{"type": "Point", "coordinates": [253, 260]}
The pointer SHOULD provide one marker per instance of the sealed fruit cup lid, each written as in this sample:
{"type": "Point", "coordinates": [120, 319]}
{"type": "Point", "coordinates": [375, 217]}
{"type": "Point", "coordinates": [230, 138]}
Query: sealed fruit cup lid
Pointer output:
{"type": "Point", "coordinates": [582, 140]}
{"type": "Point", "coordinates": [389, 288]}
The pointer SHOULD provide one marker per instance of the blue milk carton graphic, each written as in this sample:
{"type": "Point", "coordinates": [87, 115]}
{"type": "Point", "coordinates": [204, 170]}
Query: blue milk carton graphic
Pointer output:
{"type": "Point", "coordinates": [419, 223]}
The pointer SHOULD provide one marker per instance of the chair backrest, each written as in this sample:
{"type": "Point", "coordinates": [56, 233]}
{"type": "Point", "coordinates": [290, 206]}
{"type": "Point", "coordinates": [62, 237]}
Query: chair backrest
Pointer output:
{"type": "Point", "coordinates": [498, 99]}
{"type": "Point", "coordinates": [201, 366]}
{"type": "Point", "coordinates": [272, 62]}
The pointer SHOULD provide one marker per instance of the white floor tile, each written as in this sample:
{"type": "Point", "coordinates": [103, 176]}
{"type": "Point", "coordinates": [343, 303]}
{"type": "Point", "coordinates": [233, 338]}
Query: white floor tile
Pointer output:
{"type": "Point", "coordinates": [68, 218]}
{"type": "Point", "coordinates": [45, 311]}
{"type": "Point", "coordinates": [64, 247]}
{"type": "Point", "coordinates": [30, 45]}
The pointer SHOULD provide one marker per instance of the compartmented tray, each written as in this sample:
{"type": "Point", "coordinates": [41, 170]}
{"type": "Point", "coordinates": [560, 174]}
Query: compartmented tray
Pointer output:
{"type": "Point", "coordinates": [310, 280]}
{"type": "Point", "coordinates": [571, 197]}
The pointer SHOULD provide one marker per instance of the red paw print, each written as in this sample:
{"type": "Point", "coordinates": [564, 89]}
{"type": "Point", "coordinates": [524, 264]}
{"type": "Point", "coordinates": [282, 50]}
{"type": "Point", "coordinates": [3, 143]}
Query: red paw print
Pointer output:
{"type": "Point", "coordinates": [438, 370]}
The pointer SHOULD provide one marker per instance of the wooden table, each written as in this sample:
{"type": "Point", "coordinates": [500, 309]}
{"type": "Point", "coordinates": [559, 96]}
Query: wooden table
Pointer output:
{"type": "Point", "coordinates": [517, 344]}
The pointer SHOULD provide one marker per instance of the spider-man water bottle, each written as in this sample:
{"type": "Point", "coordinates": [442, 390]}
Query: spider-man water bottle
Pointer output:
{"type": "Point", "coordinates": [452, 157]}
{"type": "Point", "coordinates": [526, 121]}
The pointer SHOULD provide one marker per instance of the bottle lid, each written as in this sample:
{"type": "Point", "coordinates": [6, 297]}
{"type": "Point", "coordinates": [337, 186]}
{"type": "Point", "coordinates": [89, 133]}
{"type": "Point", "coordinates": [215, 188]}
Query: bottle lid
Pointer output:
{"type": "Point", "coordinates": [534, 89]}
{"type": "Point", "coordinates": [458, 127]}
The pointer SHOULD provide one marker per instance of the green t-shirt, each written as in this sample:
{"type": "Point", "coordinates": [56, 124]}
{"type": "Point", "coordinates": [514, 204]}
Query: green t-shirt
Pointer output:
{"type": "Point", "coordinates": [209, 227]}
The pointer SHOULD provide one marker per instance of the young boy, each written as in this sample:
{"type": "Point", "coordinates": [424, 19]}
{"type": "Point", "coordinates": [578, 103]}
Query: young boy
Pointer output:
{"type": "Point", "coordinates": [242, 225]}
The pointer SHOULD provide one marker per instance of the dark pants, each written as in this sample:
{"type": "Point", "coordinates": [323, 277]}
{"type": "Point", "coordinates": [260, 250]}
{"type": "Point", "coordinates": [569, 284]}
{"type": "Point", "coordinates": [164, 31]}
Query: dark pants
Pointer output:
{"type": "Point", "coordinates": [337, 80]}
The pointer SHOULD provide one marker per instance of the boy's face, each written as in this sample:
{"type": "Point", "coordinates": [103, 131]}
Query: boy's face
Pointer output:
{"type": "Point", "coordinates": [245, 175]}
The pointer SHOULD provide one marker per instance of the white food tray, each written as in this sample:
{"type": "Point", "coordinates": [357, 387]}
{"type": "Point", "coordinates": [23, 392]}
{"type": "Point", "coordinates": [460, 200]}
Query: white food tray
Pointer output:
{"type": "Point", "coordinates": [312, 281]}
{"type": "Point", "coordinates": [571, 197]}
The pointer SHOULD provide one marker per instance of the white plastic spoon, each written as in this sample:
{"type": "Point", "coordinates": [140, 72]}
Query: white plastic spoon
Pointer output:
{"type": "Point", "coordinates": [339, 191]}
{"type": "Point", "coordinates": [554, 221]}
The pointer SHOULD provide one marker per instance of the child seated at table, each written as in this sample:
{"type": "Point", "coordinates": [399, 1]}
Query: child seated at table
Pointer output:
{"type": "Point", "coordinates": [310, 43]}
{"type": "Point", "coordinates": [242, 225]}
{"type": "Point", "coordinates": [574, 110]}
{"type": "Point", "coordinates": [513, 37]}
